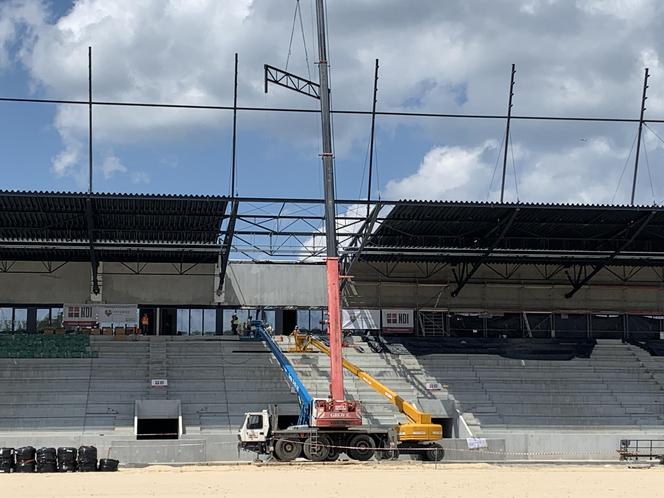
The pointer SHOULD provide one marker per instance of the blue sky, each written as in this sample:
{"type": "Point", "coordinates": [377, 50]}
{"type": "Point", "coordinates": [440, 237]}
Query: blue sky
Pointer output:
{"type": "Point", "coordinates": [573, 58]}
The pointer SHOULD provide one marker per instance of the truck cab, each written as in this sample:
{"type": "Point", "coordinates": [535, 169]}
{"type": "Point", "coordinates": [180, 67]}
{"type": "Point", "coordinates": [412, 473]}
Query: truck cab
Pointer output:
{"type": "Point", "coordinates": [255, 430]}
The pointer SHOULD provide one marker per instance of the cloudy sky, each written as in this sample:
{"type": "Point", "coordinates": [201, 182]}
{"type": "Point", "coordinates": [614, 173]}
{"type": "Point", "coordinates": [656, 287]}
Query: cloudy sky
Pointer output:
{"type": "Point", "coordinates": [573, 58]}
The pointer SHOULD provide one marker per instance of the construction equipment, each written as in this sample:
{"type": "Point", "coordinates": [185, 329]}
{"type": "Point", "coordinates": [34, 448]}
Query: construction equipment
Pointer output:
{"type": "Point", "coordinates": [270, 432]}
{"type": "Point", "coordinates": [417, 436]}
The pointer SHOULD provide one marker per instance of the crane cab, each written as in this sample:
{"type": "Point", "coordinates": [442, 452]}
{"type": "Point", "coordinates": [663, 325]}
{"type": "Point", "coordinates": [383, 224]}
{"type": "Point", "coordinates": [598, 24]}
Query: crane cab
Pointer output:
{"type": "Point", "coordinates": [256, 428]}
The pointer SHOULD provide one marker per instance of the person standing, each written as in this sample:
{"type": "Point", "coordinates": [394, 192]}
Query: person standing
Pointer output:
{"type": "Point", "coordinates": [235, 323]}
{"type": "Point", "coordinates": [145, 322]}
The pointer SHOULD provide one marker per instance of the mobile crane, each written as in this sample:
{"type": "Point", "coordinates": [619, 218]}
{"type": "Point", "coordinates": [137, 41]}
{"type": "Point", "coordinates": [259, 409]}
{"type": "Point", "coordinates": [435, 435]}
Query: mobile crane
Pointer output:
{"type": "Point", "coordinates": [417, 437]}
{"type": "Point", "coordinates": [262, 432]}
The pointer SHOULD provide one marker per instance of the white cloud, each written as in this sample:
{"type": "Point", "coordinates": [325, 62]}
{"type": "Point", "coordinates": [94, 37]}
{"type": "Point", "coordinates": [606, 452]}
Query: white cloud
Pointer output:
{"type": "Point", "coordinates": [446, 173]}
{"type": "Point", "coordinates": [583, 57]}
{"type": "Point", "coordinates": [112, 165]}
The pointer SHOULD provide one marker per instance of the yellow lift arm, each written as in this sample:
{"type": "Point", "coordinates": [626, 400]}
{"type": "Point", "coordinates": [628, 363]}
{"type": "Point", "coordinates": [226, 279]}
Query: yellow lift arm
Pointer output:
{"type": "Point", "coordinates": [420, 428]}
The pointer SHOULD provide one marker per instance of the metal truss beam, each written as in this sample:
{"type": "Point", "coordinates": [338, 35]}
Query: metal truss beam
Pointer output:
{"type": "Point", "coordinates": [225, 250]}
{"type": "Point", "coordinates": [361, 236]}
{"type": "Point", "coordinates": [291, 81]}
{"type": "Point", "coordinates": [466, 273]}
{"type": "Point", "coordinates": [636, 228]}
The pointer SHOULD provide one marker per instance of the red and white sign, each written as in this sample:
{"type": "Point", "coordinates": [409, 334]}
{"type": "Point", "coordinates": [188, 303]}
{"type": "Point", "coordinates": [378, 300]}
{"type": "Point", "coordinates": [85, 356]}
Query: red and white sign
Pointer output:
{"type": "Point", "coordinates": [82, 315]}
{"type": "Point", "coordinates": [398, 321]}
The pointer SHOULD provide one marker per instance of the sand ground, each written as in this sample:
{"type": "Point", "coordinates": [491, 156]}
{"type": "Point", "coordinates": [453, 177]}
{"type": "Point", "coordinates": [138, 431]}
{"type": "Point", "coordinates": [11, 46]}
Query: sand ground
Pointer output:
{"type": "Point", "coordinates": [409, 480]}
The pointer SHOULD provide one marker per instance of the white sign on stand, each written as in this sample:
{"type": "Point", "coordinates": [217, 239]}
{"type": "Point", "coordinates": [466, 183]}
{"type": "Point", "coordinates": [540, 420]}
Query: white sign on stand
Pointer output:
{"type": "Point", "coordinates": [360, 319]}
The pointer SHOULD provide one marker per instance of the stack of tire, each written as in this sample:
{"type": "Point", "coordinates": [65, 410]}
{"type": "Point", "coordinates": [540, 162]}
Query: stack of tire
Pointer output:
{"type": "Point", "coordinates": [25, 459]}
{"type": "Point", "coordinates": [87, 459]}
{"type": "Point", "coordinates": [6, 460]}
{"type": "Point", "coordinates": [67, 459]}
{"type": "Point", "coordinates": [46, 460]}
{"type": "Point", "coordinates": [108, 465]}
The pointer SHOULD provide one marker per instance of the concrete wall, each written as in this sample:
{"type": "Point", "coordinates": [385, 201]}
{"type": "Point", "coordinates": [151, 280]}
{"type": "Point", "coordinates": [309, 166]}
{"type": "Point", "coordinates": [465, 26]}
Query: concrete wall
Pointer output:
{"type": "Point", "coordinates": [246, 284]}
{"type": "Point", "coordinates": [414, 286]}
{"type": "Point", "coordinates": [250, 284]}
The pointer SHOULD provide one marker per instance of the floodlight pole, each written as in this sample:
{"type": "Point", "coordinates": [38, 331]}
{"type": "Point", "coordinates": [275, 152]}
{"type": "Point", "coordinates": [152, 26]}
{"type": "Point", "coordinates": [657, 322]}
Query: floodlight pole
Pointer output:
{"type": "Point", "coordinates": [507, 132]}
{"type": "Point", "coordinates": [371, 143]}
{"type": "Point", "coordinates": [89, 120]}
{"type": "Point", "coordinates": [233, 160]}
{"type": "Point", "coordinates": [644, 97]}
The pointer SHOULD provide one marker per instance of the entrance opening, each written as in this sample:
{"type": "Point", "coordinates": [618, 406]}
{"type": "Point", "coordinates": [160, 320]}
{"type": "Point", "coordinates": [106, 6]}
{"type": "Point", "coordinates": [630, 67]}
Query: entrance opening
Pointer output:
{"type": "Point", "coordinates": [448, 426]}
{"type": "Point", "coordinates": [157, 428]}
{"type": "Point", "coordinates": [168, 320]}
{"type": "Point", "coordinates": [289, 320]}
{"type": "Point", "coordinates": [150, 313]}
{"type": "Point", "coordinates": [157, 419]}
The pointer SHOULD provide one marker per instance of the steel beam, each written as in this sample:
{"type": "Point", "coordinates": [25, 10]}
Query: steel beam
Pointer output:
{"type": "Point", "coordinates": [225, 250]}
{"type": "Point", "coordinates": [291, 81]}
{"type": "Point", "coordinates": [362, 236]}
{"type": "Point", "coordinates": [94, 264]}
{"type": "Point", "coordinates": [637, 229]}
{"type": "Point", "coordinates": [466, 275]}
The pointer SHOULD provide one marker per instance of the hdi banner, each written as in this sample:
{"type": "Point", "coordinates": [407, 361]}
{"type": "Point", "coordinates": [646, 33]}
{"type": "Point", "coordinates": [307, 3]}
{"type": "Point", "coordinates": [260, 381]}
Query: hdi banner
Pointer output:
{"type": "Point", "coordinates": [398, 321]}
{"type": "Point", "coordinates": [87, 315]}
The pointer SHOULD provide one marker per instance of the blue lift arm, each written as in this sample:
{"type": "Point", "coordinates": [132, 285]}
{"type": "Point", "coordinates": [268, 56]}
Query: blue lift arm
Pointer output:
{"type": "Point", "coordinates": [305, 399]}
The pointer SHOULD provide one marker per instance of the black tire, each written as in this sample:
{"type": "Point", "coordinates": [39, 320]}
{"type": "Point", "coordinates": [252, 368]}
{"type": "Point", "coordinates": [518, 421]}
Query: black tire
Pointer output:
{"type": "Point", "coordinates": [363, 447]}
{"type": "Point", "coordinates": [386, 454]}
{"type": "Point", "coordinates": [316, 448]}
{"type": "Point", "coordinates": [333, 455]}
{"type": "Point", "coordinates": [434, 453]}
{"type": "Point", "coordinates": [287, 450]}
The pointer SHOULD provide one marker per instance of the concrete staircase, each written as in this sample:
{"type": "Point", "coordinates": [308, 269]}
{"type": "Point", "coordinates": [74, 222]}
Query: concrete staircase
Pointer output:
{"type": "Point", "coordinates": [616, 386]}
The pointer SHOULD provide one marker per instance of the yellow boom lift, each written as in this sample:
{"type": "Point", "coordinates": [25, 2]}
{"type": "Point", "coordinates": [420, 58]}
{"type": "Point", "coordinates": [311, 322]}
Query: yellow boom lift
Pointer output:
{"type": "Point", "coordinates": [418, 434]}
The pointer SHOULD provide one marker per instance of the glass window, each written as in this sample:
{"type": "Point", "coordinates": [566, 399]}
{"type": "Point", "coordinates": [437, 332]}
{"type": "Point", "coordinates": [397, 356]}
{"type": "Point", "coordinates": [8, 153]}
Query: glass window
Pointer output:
{"type": "Point", "coordinates": [196, 321]}
{"type": "Point", "coordinates": [209, 321]}
{"type": "Point", "coordinates": [183, 322]}
{"type": "Point", "coordinates": [20, 319]}
{"type": "Point", "coordinates": [56, 317]}
{"type": "Point", "coordinates": [303, 320]}
{"type": "Point", "coordinates": [5, 319]}
{"type": "Point", "coordinates": [43, 318]}
{"type": "Point", "coordinates": [255, 422]}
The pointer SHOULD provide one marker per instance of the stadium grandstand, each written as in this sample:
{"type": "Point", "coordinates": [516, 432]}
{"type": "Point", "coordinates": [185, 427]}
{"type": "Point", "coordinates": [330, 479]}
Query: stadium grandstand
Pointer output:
{"type": "Point", "coordinates": [529, 327]}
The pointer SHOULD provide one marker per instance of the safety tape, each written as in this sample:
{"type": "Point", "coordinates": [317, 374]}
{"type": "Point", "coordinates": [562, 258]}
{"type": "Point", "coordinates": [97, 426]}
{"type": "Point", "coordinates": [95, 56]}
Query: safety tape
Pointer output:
{"type": "Point", "coordinates": [468, 450]}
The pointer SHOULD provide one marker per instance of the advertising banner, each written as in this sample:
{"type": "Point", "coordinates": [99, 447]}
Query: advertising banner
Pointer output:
{"type": "Point", "coordinates": [87, 315]}
{"type": "Point", "coordinates": [398, 321]}
{"type": "Point", "coordinates": [360, 319]}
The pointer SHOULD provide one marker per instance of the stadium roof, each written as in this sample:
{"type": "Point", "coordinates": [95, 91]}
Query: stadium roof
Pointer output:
{"type": "Point", "coordinates": [66, 226]}
{"type": "Point", "coordinates": [522, 233]}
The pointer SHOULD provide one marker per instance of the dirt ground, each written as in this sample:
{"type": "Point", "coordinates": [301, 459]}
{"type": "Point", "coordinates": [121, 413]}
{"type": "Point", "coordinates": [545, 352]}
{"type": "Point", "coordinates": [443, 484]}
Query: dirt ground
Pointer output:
{"type": "Point", "coordinates": [346, 480]}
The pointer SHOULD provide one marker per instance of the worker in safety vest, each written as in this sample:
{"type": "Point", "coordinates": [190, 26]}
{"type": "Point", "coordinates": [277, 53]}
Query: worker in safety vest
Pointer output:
{"type": "Point", "coordinates": [145, 321]}
{"type": "Point", "coordinates": [235, 324]}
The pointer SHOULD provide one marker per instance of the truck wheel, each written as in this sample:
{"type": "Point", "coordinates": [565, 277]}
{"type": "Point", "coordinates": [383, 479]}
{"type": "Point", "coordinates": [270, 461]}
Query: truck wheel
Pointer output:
{"type": "Point", "coordinates": [434, 453]}
{"type": "Point", "coordinates": [363, 447]}
{"type": "Point", "coordinates": [287, 450]}
{"type": "Point", "coordinates": [316, 448]}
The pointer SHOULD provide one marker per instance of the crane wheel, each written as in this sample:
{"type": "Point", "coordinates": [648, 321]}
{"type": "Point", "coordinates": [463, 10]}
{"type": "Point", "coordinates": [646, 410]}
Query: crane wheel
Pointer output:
{"type": "Point", "coordinates": [316, 448]}
{"type": "Point", "coordinates": [434, 453]}
{"type": "Point", "coordinates": [333, 455]}
{"type": "Point", "coordinates": [287, 450]}
{"type": "Point", "coordinates": [363, 447]}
